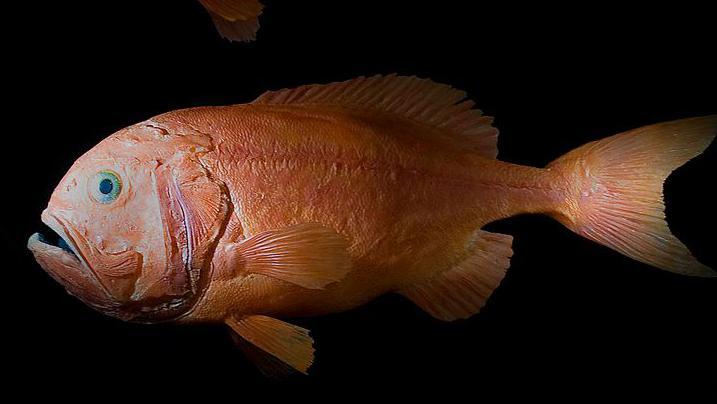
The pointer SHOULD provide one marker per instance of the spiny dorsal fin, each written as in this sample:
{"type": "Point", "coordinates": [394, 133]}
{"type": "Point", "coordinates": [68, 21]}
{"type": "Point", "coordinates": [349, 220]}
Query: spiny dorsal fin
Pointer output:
{"type": "Point", "coordinates": [420, 100]}
{"type": "Point", "coordinates": [462, 290]}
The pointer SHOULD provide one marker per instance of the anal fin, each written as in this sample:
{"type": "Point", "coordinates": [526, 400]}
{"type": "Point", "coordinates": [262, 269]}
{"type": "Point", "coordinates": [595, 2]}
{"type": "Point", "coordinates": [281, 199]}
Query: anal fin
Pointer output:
{"type": "Point", "coordinates": [286, 342]}
{"type": "Point", "coordinates": [462, 290]}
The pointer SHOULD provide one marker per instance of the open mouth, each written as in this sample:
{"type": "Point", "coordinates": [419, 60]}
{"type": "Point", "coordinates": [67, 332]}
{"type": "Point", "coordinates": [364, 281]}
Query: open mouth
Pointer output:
{"type": "Point", "coordinates": [50, 237]}
{"type": "Point", "coordinates": [58, 254]}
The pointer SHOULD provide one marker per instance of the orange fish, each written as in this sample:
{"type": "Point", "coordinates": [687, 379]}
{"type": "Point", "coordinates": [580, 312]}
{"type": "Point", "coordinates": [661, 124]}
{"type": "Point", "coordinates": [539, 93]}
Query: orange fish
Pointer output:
{"type": "Point", "coordinates": [318, 199]}
{"type": "Point", "coordinates": [236, 20]}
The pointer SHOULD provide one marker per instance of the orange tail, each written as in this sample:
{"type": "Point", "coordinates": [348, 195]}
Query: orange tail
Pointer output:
{"type": "Point", "coordinates": [615, 190]}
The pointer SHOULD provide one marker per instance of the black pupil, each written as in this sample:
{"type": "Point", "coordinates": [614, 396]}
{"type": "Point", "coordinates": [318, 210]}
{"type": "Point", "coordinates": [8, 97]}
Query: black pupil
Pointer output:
{"type": "Point", "coordinates": [106, 186]}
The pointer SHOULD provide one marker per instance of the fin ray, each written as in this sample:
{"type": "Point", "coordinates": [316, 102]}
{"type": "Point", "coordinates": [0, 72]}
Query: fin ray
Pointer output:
{"type": "Point", "coordinates": [419, 100]}
{"type": "Point", "coordinates": [268, 364]}
{"type": "Point", "coordinates": [287, 342]}
{"type": "Point", "coordinates": [308, 254]}
{"type": "Point", "coordinates": [615, 195]}
{"type": "Point", "coordinates": [462, 290]}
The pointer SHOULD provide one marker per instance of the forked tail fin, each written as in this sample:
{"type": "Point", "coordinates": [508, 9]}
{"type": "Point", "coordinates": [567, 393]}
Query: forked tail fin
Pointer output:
{"type": "Point", "coordinates": [615, 190]}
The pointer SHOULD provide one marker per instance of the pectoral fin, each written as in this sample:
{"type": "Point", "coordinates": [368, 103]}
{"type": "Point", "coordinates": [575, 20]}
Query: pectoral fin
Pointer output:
{"type": "Point", "coordinates": [288, 343]}
{"type": "Point", "coordinates": [462, 290]}
{"type": "Point", "coordinates": [309, 255]}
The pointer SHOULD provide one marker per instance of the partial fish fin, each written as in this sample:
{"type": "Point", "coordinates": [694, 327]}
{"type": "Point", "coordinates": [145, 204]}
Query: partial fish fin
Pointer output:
{"type": "Point", "coordinates": [268, 364]}
{"type": "Point", "coordinates": [419, 100]}
{"type": "Point", "coordinates": [309, 255]}
{"type": "Point", "coordinates": [236, 20]}
{"type": "Point", "coordinates": [615, 190]}
{"type": "Point", "coordinates": [461, 291]}
{"type": "Point", "coordinates": [289, 343]}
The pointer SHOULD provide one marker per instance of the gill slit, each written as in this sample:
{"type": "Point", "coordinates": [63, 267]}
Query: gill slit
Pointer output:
{"type": "Point", "coordinates": [188, 251]}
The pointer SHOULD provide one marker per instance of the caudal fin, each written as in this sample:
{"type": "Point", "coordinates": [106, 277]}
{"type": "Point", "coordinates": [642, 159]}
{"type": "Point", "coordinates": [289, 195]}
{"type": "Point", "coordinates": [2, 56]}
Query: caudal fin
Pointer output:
{"type": "Point", "coordinates": [615, 190]}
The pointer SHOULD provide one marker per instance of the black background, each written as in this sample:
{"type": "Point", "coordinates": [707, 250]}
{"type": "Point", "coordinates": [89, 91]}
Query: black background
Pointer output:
{"type": "Point", "coordinates": [572, 319]}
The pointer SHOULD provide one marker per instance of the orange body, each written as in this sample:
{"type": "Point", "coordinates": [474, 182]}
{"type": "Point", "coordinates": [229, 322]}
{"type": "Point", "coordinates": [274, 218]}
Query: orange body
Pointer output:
{"type": "Point", "coordinates": [318, 199]}
{"type": "Point", "coordinates": [407, 201]}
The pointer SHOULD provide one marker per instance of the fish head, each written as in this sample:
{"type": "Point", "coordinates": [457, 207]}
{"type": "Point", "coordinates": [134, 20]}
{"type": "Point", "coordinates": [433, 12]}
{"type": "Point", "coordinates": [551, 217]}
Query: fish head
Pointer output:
{"type": "Point", "coordinates": [115, 238]}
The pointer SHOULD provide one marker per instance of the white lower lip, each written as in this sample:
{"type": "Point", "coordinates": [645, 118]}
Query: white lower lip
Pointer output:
{"type": "Point", "coordinates": [35, 239]}
{"type": "Point", "coordinates": [40, 248]}
{"type": "Point", "coordinates": [57, 227]}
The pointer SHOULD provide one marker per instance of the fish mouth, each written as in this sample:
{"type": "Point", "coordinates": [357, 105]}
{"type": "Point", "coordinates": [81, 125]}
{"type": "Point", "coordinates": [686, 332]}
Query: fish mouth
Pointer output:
{"type": "Point", "coordinates": [53, 237]}
{"type": "Point", "coordinates": [48, 236]}
{"type": "Point", "coordinates": [59, 255]}
{"type": "Point", "coordinates": [64, 253]}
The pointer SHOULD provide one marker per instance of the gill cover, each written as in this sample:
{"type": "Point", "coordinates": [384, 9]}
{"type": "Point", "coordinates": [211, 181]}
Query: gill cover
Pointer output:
{"type": "Point", "coordinates": [194, 208]}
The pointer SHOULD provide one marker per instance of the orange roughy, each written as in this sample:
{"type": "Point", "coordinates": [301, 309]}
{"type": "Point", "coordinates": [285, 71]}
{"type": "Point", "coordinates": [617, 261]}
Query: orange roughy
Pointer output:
{"type": "Point", "coordinates": [318, 199]}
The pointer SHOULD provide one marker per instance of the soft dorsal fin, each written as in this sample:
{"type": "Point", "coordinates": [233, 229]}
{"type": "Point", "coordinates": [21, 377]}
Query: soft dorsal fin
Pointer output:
{"type": "Point", "coordinates": [420, 100]}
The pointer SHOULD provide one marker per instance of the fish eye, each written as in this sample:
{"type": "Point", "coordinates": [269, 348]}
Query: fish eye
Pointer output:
{"type": "Point", "coordinates": [106, 186]}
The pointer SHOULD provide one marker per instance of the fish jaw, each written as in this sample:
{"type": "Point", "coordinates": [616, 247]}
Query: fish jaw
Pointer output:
{"type": "Point", "coordinates": [70, 269]}
{"type": "Point", "coordinates": [73, 266]}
